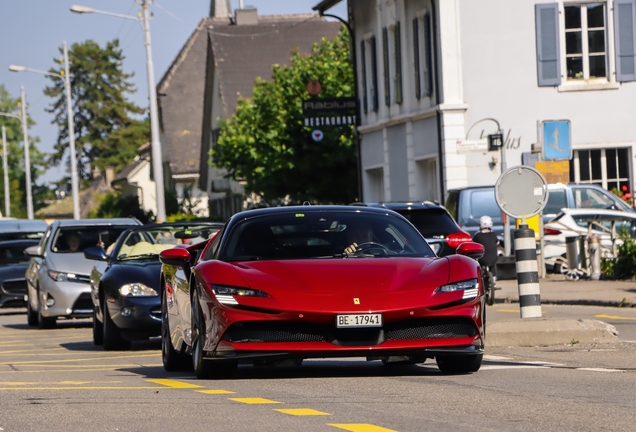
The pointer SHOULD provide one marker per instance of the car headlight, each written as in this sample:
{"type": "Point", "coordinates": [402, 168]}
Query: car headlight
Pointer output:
{"type": "Point", "coordinates": [137, 290]}
{"type": "Point", "coordinates": [63, 277]}
{"type": "Point", "coordinates": [225, 294]}
{"type": "Point", "coordinates": [470, 288]}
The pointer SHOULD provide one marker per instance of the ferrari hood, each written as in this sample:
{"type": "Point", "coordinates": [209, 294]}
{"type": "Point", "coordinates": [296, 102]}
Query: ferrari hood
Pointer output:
{"type": "Point", "coordinates": [341, 283]}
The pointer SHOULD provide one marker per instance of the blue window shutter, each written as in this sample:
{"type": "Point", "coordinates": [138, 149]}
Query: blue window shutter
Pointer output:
{"type": "Point", "coordinates": [624, 38]}
{"type": "Point", "coordinates": [374, 73]}
{"type": "Point", "coordinates": [363, 63]}
{"type": "Point", "coordinates": [428, 53]}
{"type": "Point", "coordinates": [548, 62]}
{"type": "Point", "coordinates": [416, 58]}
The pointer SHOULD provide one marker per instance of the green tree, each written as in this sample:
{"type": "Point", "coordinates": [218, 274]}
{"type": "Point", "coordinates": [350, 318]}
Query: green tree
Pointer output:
{"type": "Point", "coordinates": [106, 133]}
{"type": "Point", "coordinates": [266, 146]}
{"type": "Point", "coordinates": [115, 204]}
{"type": "Point", "coordinates": [15, 160]}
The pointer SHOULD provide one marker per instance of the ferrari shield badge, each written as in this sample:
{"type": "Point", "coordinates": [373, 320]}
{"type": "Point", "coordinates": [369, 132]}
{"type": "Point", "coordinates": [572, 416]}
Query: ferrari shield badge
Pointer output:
{"type": "Point", "coordinates": [356, 301]}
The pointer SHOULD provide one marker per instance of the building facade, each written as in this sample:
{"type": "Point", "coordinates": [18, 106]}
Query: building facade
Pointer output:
{"type": "Point", "coordinates": [436, 77]}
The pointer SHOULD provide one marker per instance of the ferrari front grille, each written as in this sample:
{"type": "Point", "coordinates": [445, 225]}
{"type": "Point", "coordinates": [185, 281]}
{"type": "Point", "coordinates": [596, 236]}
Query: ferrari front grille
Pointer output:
{"type": "Point", "coordinates": [446, 328]}
{"type": "Point", "coordinates": [435, 328]}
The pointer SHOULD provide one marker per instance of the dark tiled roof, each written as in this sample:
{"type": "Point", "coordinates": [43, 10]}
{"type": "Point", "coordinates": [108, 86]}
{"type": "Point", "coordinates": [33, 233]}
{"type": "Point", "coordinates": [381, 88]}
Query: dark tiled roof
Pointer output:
{"type": "Point", "coordinates": [123, 174]}
{"type": "Point", "coordinates": [241, 53]}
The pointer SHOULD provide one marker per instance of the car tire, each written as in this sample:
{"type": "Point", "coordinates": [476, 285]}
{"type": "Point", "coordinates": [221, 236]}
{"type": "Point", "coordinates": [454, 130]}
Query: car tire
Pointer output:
{"type": "Point", "coordinates": [172, 360]}
{"type": "Point", "coordinates": [459, 364]}
{"type": "Point", "coordinates": [32, 316]}
{"type": "Point", "coordinates": [44, 322]}
{"type": "Point", "coordinates": [98, 329]}
{"type": "Point", "coordinates": [112, 335]}
{"type": "Point", "coordinates": [206, 369]}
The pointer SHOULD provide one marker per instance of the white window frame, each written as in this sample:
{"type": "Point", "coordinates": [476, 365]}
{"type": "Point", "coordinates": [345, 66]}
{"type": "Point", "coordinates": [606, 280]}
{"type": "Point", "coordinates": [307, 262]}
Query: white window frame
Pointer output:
{"type": "Point", "coordinates": [576, 162]}
{"type": "Point", "coordinates": [607, 83]}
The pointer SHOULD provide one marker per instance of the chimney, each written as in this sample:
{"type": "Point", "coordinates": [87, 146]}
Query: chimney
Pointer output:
{"type": "Point", "coordinates": [246, 16]}
{"type": "Point", "coordinates": [110, 175]}
{"type": "Point", "coordinates": [220, 9]}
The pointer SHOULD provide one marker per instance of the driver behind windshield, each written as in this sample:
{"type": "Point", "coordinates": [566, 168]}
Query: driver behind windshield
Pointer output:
{"type": "Point", "coordinates": [358, 234]}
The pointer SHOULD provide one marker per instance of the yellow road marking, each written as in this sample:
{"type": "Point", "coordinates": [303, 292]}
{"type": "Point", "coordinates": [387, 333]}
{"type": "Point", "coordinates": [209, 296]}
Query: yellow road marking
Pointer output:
{"type": "Point", "coordinates": [215, 391]}
{"type": "Point", "coordinates": [615, 317]}
{"type": "Point", "coordinates": [78, 360]}
{"type": "Point", "coordinates": [361, 427]}
{"type": "Point", "coordinates": [16, 383]}
{"type": "Point", "coordinates": [36, 352]}
{"type": "Point", "coordinates": [99, 369]}
{"type": "Point", "coordinates": [508, 310]}
{"type": "Point", "coordinates": [255, 401]}
{"type": "Point", "coordinates": [174, 384]}
{"type": "Point", "coordinates": [78, 388]}
{"type": "Point", "coordinates": [302, 412]}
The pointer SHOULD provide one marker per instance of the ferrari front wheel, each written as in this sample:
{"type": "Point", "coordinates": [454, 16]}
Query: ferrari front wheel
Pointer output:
{"type": "Point", "coordinates": [459, 364]}
{"type": "Point", "coordinates": [172, 360]}
{"type": "Point", "coordinates": [205, 369]}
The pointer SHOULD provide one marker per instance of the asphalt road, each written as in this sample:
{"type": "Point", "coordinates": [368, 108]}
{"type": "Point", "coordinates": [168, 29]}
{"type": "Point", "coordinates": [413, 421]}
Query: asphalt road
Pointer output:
{"type": "Point", "coordinates": [57, 380]}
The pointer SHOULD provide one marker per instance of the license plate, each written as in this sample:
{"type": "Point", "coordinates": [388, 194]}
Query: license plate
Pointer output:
{"type": "Point", "coordinates": [359, 320]}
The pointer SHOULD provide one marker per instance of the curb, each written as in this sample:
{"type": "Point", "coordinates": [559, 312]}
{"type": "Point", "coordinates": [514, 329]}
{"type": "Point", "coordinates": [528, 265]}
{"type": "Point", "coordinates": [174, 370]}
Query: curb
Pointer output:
{"type": "Point", "coordinates": [582, 302]}
{"type": "Point", "coordinates": [546, 331]}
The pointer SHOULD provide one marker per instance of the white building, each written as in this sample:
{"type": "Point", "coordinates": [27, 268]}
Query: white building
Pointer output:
{"type": "Point", "coordinates": [435, 77]}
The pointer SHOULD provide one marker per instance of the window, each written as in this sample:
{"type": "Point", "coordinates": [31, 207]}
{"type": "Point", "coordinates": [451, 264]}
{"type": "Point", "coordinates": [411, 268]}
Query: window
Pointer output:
{"type": "Point", "coordinates": [578, 42]}
{"type": "Point", "coordinates": [608, 168]}
{"type": "Point", "coordinates": [422, 58]}
{"type": "Point", "coordinates": [585, 40]}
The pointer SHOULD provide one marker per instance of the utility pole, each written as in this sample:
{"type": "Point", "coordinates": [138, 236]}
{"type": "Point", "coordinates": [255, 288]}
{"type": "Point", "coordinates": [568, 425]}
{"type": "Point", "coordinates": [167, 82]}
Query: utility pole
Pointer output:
{"type": "Point", "coordinates": [27, 156]}
{"type": "Point", "coordinates": [5, 168]}
{"type": "Point", "coordinates": [71, 136]}
{"type": "Point", "coordinates": [504, 168]}
{"type": "Point", "coordinates": [157, 157]}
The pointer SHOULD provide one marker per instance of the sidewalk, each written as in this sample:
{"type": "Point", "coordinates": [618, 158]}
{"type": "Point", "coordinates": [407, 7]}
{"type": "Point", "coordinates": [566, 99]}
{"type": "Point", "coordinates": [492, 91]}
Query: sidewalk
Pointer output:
{"type": "Point", "coordinates": [556, 289]}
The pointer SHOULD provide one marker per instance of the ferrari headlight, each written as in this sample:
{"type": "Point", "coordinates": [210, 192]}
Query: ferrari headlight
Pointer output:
{"type": "Point", "coordinates": [225, 294]}
{"type": "Point", "coordinates": [470, 288]}
{"type": "Point", "coordinates": [63, 277]}
{"type": "Point", "coordinates": [137, 290]}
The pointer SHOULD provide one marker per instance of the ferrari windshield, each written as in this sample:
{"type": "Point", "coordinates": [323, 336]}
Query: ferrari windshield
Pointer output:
{"type": "Point", "coordinates": [323, 234]}
{"type": "Point", "coordinates": [148, 242]}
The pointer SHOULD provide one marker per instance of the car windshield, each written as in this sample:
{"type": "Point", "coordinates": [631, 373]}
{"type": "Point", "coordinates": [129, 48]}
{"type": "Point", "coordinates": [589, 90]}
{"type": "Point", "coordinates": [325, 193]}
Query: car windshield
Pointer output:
{"type": "Point", "coordinates": [328, 234]}
{"type": "Point", "coordinates": [76, 239]}
{"type": "Point", "coordinates": [14, 254]}
{"type": "Point", "coordinates": [148, 242]}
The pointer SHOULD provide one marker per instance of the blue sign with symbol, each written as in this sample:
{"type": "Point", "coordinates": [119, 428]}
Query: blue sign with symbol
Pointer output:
{"type": "Point", "coordinates": [557, 143]}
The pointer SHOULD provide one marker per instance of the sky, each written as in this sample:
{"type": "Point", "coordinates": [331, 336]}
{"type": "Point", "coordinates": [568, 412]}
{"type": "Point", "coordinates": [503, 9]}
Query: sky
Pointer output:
{"type": "Point", "coordinates": [32, 31]}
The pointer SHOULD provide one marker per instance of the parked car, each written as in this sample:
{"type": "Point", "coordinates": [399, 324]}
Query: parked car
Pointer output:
{"type": "Point", "coordinates": [58, 274]}
{"type": "Point", "coordinates": [433, 221]}
{"type": "Point", "coordinates": [125, 282]}
{"type": "Point", "coordinates": [575, 222]}
{"type": "Point", "coordinates": [16, 229]}
{"type": "Point", "coordinates": [13, 265]}
{"type": "Point", "coordinates": [278, 284]}
{"type": "Point", "coordinates": [581, 196]}
{"type": "Point", "coordinates": [467, 205]}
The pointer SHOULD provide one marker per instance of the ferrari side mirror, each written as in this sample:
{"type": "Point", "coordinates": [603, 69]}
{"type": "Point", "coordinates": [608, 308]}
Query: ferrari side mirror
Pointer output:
{"type": "Point", "coordinates": [175, 257]}
{"type": "Point", "coordinates": [471, 250]}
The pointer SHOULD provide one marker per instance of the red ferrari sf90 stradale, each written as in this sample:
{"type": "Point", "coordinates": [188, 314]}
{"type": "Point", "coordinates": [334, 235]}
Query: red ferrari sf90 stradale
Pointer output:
{"type": "Point", "coordinates": [290, 283]}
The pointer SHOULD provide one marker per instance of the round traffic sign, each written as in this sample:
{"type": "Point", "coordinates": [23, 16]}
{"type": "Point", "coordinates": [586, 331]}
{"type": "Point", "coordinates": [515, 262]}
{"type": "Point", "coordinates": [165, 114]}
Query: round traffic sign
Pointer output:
{"type": "Point", "coordinates": [314, 87]}
{"type": "Point", "coordinates": [521, 192]}
{"type": "Point", "coordinates": [317, 135]}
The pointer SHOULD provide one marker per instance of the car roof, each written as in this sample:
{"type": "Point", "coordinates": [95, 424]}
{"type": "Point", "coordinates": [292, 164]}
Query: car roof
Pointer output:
{"type": "Point", "coordinates": [617, 213]}
{"type": "Point", "coordinates": [22, 225]}
{"type": "Point", "coordinates": [19, 242]}
{"type": "Point", "coordinates": [178, 224]}
{"type": "Point", "coordinates": [96, 222]}
{"type": "Point", "coordinates": [402, 205]}
{"type": "Point", "coordinates": [308, 209]}
{"type": "Point", "coordinates": [472, 188]}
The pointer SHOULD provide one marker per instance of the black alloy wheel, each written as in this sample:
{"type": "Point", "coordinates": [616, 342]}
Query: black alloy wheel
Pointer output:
{"type": "Point", "coordinates": [205, 369]}
{"type": "Point", "coordinates": [172, 360]}
{"type": "Point", "coordinates": [44, 322]}
{"type": "Point", "coordinates": [98, 329]}
{"type": "Point", "coordinates": [32, 316]}
{"type": "Point", "coordinates": [112, 335]}
{"type": "Point", "coordinates": [459, 364]}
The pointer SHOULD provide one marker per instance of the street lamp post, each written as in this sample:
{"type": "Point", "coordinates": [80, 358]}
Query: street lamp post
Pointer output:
{"type": "Point", "coordinates": [27, 159]}
{"type": "Point", "coordinates": [27, 156]}
{"type": "Point", "coordinates": [157, 158]}
{"type": "Point", "coordinates": [5, 168]}
{"type": "Point", "coordinates": [66, 80]}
